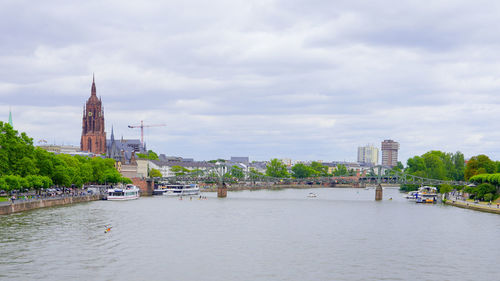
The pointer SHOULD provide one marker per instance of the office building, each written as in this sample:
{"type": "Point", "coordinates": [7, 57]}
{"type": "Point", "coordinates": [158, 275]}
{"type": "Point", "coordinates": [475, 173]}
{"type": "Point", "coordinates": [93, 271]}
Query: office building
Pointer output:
{"type": "Point", "coordinates": [390, 153]}
{"type": "Point", "coordinates": [368, 154]}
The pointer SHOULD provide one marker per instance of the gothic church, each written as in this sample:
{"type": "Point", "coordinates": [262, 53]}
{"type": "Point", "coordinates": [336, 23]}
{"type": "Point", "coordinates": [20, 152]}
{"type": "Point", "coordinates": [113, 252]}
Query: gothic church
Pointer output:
{"type": "Point", "coordinates": [93, 135]}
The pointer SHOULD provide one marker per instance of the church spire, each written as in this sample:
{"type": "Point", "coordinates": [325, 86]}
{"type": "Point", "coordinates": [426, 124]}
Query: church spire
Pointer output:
{"type": "Point", "coordinates": [93, 134]}
{"type": "Point", "coordinates": [112, 135]}
{"type": "Point", "coordinates": [10, 118]}
{"type": "Point", "coordinates": [93, 92]}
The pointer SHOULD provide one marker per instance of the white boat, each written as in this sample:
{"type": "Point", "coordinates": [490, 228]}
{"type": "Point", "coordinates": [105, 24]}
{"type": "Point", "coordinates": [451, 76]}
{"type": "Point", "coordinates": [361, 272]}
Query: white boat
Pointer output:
{"type": "Point", "coordinates": [412, 195]}
{"type": "Point", "coordinates": [180, 189]}
{"type": "Point", "coordinates": [312, 195]}
{"type": "Point", "coordinates": [130, 192]}
{"type": "Point", "coordinates": [425, 194]}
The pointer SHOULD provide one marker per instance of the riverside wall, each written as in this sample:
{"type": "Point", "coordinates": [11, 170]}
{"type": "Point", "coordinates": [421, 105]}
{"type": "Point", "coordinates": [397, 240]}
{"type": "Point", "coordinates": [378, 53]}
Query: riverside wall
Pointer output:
{"type": "Point", "coordinates": [43, 203]}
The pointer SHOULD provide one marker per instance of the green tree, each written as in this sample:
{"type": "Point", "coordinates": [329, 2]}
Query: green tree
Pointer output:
{"type": "Point", "coordinates": [155, 173]}
{"type": "Point", "coordinates": [27, 167]}
{"type": "Point", "coordinates": [276, 169]}
{"type": "Point", "coordinates": [236, 172]}
{"type": "Point", "coordinates": [341, 170]}
{"type": "Point", "coordinates": [415, 164]}
{"type": "Point", "coordinates": [302, 171]}
{"type": "Point", "coordinates": [151, 155]}
{"type": "Point", "coordinates": [62, 176]}
{"type": "Point", "coordinates": [488, 197]}
{"type": "Point", "coordinates": [112, 176]}
{"type": "Point", "coordinates": [86, 171]}
{"type": "Point", "coordinates": [254, 174]}
{"type": "Point", "coordinates": [480, 164]}
{"type": "Point", "coordinates": [437, 165]}
{"type": "Point", "coordinates": [445, 188]}
{"type": "Point", "coordinates": [179, 170]}
{"type": "Point", "coordinates": [13, 182]}
{"type": "Point", "coordinates": [3, 184]}
{"type": "Point", "coordinates": [459, 165]}
{"type": "Point", "coordinates": [125, 180]}
{"type": "Point", "coordinates": [435, 168]}
{"type": "Point", "coordinates": [218, 160]}
{"type": "Point", "coordinates": [35, 167]}
{"type": "Point", "coordinates": [38, 182]}
{"type": "Point", "coordinates": [14, 148]}
{"type": "Point", "coordinates": [398, 168]}
{"type": "Point", "coordinates": [320, 170]}
{"type": "Point", "coordinates": [44, 162]}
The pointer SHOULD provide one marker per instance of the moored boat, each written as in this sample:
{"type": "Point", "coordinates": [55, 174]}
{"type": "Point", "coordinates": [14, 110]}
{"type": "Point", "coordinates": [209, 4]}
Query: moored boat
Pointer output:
{"type": "Point", "coordinates": [425, 194]}
{"type": "Point", "coordinates": [129, 192]}
{"type": "Point", "coordinates": [178, 190]}
{"type": "Point", "coordinates": [411, 196]}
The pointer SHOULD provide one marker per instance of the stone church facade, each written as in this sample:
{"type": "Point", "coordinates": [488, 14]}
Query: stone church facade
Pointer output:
{"type": "Point", "coordinates": [93, 134]}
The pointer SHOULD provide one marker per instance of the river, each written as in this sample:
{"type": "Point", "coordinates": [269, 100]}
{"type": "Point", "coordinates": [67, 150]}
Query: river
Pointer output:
{"type": "Point", "coordinates": [343, 234]}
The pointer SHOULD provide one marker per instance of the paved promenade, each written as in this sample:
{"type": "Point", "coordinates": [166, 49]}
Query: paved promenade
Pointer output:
{"type": "Point", "coordinates": [480, 206]}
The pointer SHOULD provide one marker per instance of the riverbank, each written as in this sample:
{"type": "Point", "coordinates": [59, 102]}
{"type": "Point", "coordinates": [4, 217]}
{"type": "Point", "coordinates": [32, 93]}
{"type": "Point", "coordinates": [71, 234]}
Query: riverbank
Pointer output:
{"type": "Point", "coordinates": [21, 206]}
{"type": "Point", "coordinates": [494, 208]}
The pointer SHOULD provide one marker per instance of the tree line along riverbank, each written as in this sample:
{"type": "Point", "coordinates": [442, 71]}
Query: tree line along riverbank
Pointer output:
{"type": "Point", "coordinates": [26, 167]}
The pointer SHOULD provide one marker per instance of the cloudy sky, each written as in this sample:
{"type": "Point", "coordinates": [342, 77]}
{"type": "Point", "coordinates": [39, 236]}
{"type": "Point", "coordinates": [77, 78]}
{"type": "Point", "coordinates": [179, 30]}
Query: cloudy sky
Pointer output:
{"type": "Point", "coordinates": [309, 80]}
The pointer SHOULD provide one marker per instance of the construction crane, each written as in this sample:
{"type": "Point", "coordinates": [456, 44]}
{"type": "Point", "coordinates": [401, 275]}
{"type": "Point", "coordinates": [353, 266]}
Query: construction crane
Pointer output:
{"type": "Point", "coordinates": [142, 126]}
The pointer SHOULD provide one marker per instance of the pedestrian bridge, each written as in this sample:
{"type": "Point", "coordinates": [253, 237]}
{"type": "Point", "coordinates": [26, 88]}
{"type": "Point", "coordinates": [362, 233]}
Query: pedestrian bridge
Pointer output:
{"type": "Point", "coordinates": [219, 176]}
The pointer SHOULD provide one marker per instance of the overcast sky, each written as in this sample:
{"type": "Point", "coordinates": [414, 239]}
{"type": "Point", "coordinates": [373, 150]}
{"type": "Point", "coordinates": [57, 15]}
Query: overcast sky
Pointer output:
{"type": "Point", "coordinates": [309, 80]}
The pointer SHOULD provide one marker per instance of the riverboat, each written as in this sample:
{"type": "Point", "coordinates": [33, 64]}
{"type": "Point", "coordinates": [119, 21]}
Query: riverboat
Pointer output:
{"type": "Point", "coordinates": [130, 192]}
{"type": "Point", "coordinates": [178, 190]}
{"type": "Point", "coordinates": [427, 194]}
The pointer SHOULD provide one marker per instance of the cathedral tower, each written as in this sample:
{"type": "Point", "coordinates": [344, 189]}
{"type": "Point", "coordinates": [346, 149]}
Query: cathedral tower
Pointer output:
{"type": "Point", "coordinates": [93, 135]}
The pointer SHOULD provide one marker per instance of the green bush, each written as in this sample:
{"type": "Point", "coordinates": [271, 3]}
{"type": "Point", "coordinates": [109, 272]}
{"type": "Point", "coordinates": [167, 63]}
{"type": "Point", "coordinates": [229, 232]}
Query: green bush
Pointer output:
{"type": "Point", "coordinates": [479, 192]}
{"type": "Point", "coordinates": [488, 197]}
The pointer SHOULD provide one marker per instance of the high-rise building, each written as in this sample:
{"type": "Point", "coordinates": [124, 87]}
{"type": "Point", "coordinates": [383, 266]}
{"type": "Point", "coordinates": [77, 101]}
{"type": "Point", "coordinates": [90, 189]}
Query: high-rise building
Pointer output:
{"type": "Point", "coordinates": [390, 153]}
{"type": "Point", "coordinates": [93, 135]}
{"type": "Point", "coordinates": [368, 154]}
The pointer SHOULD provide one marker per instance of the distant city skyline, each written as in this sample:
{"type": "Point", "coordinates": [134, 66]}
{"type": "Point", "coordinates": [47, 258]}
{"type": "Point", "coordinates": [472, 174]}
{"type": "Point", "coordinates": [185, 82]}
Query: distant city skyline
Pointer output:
{"type": "Point", "coordinates": [264, 79]}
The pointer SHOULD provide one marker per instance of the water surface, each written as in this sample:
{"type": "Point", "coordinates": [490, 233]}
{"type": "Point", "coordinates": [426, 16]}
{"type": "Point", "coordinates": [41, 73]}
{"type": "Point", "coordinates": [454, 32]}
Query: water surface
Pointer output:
{"type": "Point", "coordinates": [343, 234]}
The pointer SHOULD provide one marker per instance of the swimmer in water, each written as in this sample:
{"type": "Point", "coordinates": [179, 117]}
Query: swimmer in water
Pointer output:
{"type": "Point", "coordinates": [108, 228]}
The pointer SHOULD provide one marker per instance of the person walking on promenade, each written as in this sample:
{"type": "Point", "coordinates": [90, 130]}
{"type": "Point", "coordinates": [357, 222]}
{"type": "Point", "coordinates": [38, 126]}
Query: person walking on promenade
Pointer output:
{"type": "Point", "coordinates": [13, 198]}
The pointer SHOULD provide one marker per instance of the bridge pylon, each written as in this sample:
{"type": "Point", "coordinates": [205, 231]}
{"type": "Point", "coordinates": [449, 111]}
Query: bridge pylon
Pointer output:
{"type": "Point", "coordinates": [222, 190]}
{"type": "Point", "coordinates": [378, 192]}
